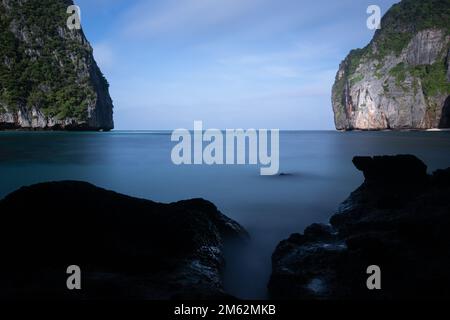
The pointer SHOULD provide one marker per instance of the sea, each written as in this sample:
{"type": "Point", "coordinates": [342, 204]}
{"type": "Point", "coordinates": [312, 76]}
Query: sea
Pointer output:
{"type": "Point", "coordinates": [316, 166]}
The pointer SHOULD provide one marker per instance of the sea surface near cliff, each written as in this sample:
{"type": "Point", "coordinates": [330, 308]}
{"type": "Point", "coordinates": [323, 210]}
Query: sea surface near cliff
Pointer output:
{"type": "Point", "coordinates": [318, 167]}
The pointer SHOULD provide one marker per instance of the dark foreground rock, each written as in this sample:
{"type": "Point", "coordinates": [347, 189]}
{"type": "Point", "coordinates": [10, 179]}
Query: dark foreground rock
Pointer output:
{"type": "Point", "coordinates": [126, 247]}
{"type": "Point", "coordinates": [398, 219]}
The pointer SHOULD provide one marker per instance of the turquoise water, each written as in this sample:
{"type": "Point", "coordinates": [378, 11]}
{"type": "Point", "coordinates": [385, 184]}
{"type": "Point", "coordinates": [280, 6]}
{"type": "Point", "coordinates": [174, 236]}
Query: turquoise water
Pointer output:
{"type": "Point", "coordinates": [270, 207]}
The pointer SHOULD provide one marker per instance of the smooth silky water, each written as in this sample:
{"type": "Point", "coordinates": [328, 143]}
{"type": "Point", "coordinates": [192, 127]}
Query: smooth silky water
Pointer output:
{"type": "Point", "coordinates": [318, 167]}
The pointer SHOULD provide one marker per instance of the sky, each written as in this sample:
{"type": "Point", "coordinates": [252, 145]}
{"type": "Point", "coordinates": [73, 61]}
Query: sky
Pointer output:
{"type": "Point", "coordinates": [229, 63]}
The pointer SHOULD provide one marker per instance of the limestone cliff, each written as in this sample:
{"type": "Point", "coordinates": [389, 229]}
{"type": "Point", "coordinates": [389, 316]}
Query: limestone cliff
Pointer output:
{"type": "Point", "coordinates": [401, 80]}
{"type": "Point", "coordinates": [48, 76]}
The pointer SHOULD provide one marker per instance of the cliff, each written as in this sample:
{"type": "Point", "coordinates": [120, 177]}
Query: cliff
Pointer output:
{"type": "Point", "coordinates": [48, 76]}
{"type": "Point", "coordinates": [401, 80]}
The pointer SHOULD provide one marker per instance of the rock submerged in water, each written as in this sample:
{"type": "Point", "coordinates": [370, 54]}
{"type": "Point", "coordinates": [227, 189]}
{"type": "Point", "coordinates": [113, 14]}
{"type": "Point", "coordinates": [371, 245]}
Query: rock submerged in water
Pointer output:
{"type": "Point", "coordinates": [126, 247]}
{"type": "Point", "coordinates": [397, 219]}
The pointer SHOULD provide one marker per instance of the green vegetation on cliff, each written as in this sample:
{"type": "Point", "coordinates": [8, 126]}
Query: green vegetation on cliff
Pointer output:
{"type": "Point", "coordinates": [433, 77]}
{"type": "Point", "coordinates": [43, 63]}
{"type": "Point", "coordinates": [402, 73]}
{"type": "Point", "coordinates": [398, 26]}
{"type": "Point", "coordinates": [404, 20]}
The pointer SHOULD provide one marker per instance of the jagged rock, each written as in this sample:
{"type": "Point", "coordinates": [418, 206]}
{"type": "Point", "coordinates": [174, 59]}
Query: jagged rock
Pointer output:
{"type": "Point", "coordinates": [50, 79]}
{"type": "Point", "coordinates": [400, 224]}
{"type": "Point", "coordinates": [126, 247]}
{"type": "Point", "coordinates": [401, 79]}
{"type": "Point", "coordinates": [398, 170]}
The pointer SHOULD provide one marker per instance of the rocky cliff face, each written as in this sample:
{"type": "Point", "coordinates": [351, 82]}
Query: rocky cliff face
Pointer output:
{"type": "Point", "coordinates": [401, 80]}
{"type": "Point", "coordinates": [48, 76]}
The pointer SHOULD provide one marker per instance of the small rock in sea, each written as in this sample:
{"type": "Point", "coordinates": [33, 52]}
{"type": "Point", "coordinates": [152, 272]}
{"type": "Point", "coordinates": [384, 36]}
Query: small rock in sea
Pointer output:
{"type": "Point", "coordinates": [285, 174]}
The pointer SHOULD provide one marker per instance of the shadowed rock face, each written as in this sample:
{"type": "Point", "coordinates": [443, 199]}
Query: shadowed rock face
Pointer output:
{"type": "Point", "coordinates": [386, 169]}
{"type": "Point", "coordinates": [126, 247]}
{"type": "Point", "coordinates": [397, 219]}
{"type": "Point", "coordinates": [445, 119]}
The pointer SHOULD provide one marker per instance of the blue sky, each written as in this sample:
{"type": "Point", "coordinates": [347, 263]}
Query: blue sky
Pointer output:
{"type": "Point", "coordinates": [230, 63]}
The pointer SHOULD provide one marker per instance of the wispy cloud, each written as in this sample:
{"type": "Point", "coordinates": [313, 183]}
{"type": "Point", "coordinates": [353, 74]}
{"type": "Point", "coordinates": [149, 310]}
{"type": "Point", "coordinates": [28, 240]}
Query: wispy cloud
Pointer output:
{"type": "Point", "coordinates": [104, 55]}
{"type": "Point", "coordinates": [282, 71]}
{"type": "Point", "coordinates": [298, 52]}
{"type": "Point", "coordinates": [147, 19]}
{"type": "Point", "coordinates": [229, 62]}
{"type": "Point", "coordinates": [299, 59]}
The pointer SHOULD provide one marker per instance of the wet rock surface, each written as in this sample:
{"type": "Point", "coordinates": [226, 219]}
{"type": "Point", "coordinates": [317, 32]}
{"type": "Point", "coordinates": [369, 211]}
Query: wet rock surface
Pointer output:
{"type": "Point", "coordinates": [126, 247]}
{"type": "Point", "coordinates": [398, 219]}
